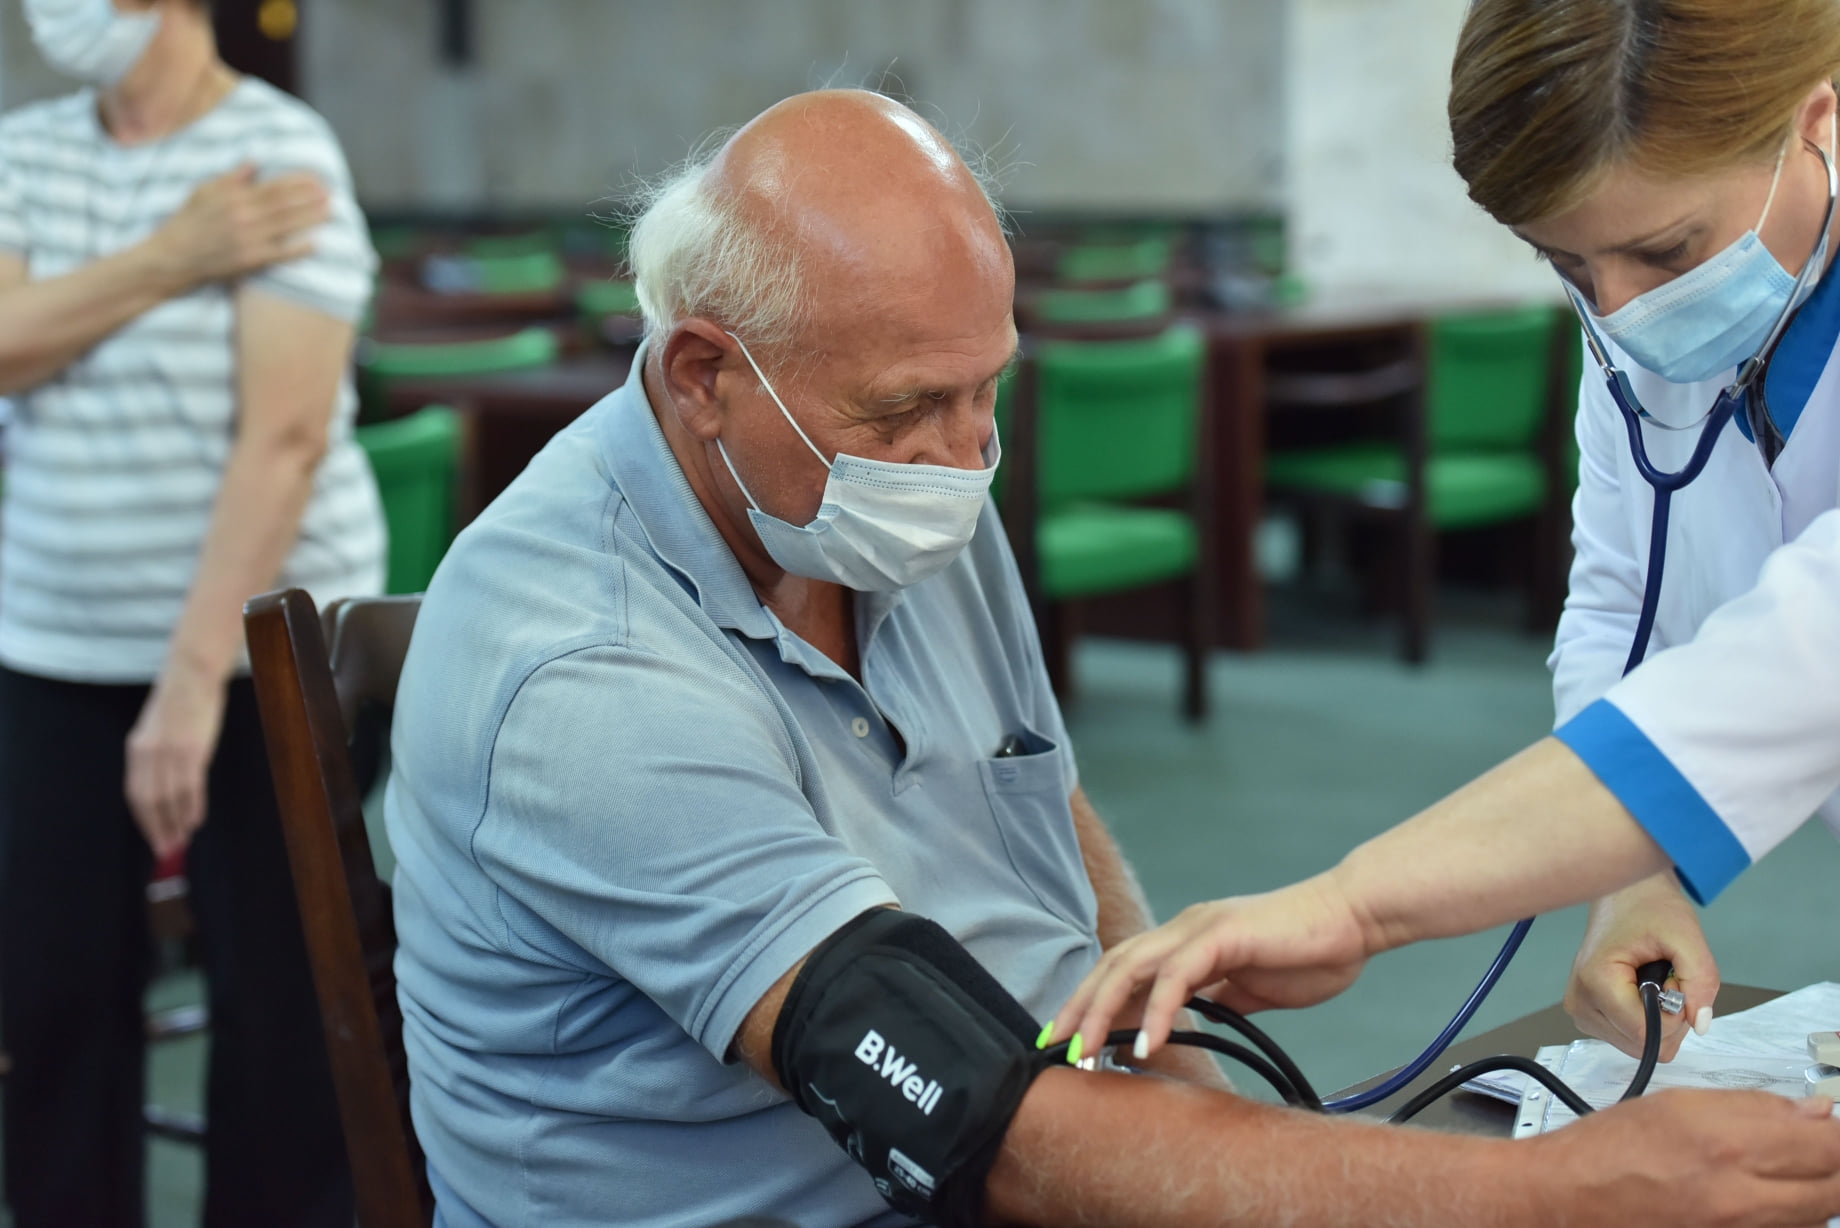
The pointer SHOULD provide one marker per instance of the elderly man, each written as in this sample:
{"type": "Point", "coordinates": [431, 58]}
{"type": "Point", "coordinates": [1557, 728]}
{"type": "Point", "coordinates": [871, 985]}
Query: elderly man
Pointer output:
{"type": "Point", "coordinates": [728, 789]}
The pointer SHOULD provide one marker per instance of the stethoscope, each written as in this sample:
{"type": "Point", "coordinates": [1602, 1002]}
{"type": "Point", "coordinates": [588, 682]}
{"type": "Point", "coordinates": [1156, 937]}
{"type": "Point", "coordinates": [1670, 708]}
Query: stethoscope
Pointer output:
{"type": "Point", "coordinates": [1746, 391]}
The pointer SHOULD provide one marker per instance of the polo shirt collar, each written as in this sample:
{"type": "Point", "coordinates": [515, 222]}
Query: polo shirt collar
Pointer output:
{"type": "Point", "coordinates": [680, 531]}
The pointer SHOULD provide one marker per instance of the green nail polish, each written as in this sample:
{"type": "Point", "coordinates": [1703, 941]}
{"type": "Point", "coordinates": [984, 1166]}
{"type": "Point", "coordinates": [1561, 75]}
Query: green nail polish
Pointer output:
{"type": "Point", "coordinates": [1047, 1035]}
{"type": "Point", "coordinates": [1073, 1050]}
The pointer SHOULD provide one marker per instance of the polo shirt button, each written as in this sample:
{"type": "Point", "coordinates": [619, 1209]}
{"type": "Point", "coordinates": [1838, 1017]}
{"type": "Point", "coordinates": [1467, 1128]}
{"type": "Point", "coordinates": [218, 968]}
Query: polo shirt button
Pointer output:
{"type": "Point", "coordinates": [860, 727]}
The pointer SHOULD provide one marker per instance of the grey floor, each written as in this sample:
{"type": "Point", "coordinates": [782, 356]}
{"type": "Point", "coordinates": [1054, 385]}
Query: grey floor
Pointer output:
{"type": "Point", "coordinates": [1315, 745]}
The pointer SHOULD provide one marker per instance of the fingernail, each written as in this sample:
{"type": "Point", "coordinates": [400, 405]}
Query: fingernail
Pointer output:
{"type": "Point", "coordinates": [1074, 1050]}
{"type": "Point", "coordinates": [1140, 1048]}
{"type": "Point", "coordinates": [1047, 1036]}
{"type": "Point", "coordinates": [1703, 1020]}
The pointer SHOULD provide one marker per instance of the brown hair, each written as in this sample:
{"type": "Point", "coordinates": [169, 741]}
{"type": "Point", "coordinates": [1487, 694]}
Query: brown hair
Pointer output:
{"type": "Point", "coordinates": [1546, 96]}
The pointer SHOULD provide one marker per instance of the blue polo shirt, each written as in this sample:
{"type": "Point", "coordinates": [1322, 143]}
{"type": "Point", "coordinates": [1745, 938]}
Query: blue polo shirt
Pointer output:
{"type": "Point", "coordinates": [626, 799]}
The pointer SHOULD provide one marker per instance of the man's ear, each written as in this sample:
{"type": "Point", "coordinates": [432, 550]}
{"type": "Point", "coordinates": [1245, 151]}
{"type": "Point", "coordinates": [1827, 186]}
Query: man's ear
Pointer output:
{"type": "Point", "coordinates": [697, 358]}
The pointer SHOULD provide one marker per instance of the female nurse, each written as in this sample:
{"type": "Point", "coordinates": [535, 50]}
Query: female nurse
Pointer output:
{"type": "Point", "coordinates": [1673, 160]}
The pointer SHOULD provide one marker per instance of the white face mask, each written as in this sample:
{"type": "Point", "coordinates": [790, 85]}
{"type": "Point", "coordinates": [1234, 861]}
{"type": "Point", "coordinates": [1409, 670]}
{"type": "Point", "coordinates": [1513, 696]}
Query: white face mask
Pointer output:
{"type": "Point", "coordinates": [882, 525]}
{"type": "Point", "coordinates": [89, 39]}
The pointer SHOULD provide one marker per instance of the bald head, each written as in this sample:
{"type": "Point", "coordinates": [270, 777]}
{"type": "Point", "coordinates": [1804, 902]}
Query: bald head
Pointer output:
{"type": "Point", "coordinates": [860, 186]}
{"type": "Point", "coordinates": [827, 206]}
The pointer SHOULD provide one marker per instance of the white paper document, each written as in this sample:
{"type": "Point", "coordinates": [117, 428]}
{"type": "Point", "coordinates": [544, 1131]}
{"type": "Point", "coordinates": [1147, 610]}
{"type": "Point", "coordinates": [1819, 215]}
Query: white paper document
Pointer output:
{"type": "Point", "coordinates": [1600, 1074]}
{"type": "Point", "coordinates": [1778, 1028]}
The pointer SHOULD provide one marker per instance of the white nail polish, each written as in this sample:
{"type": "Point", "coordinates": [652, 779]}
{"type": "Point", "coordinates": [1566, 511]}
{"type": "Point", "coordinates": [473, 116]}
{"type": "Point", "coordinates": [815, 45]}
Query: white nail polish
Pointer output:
{"type": "Point", "coordinates": [1703, 1020]}
{"type": "Point", "coordinates": [1140, 1048]}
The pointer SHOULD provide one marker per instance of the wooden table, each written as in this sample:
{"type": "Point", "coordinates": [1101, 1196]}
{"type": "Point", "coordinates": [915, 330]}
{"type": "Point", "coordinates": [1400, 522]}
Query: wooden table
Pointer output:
{"type": "Point", "coordinates": [511, 414]}
{"type": "Point", "coordinates": [1467, 1113]}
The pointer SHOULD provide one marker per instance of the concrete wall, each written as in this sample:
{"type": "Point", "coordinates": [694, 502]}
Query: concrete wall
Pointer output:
{"type": "Point", "coordinates": [1374, 206]}
{"type": "Point", "coordinates": [1332, 109]}
{"type": "Point", "coordinates": [1100, 104]}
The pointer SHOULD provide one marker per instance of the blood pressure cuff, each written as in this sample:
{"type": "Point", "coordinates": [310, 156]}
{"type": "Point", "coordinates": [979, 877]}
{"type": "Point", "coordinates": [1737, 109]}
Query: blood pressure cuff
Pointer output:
{"type": "Point", "coordinates": [912, 1056]}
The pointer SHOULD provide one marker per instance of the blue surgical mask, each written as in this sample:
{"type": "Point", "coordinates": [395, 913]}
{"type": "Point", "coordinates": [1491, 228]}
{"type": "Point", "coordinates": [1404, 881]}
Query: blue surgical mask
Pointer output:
{"type": "Point", "coordinates": [1716, 316]}
{"type": "Point", "coordinates": [881, 526]}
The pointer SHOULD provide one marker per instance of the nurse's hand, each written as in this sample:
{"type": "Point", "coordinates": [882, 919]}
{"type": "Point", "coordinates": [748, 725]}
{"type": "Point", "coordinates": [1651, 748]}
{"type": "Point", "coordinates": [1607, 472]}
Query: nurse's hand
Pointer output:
{"type": "Point", "coordinates": [1649, 921]}
{"type": "Point", "coordinates": [1288, 948]}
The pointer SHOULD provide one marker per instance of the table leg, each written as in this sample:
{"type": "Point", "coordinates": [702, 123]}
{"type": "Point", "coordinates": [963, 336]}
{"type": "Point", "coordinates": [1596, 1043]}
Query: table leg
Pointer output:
{"type": "Point", "coordinates": [1239, 495]}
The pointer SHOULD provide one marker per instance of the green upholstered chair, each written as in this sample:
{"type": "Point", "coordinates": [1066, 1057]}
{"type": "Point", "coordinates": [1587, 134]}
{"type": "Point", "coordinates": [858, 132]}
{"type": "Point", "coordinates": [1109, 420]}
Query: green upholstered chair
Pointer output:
{"type": "Point", "coordinates": [1146, 300]}
{"type": "Point", "coordinates": [1566, 397]}
{"type": "Point", "coordinates": [522, 243]}
{"type": "Point", "coordinates": [523, 274]}
{"type": "Point", "coordinates": [1090, 263]}
{"type": "Point", "coordinates": [380, 363]}
{"type": "Point", "coordinates": [1096, 431]}
{"type": "Point", "coordinates": [596, 300]}
{"type": "Point", "coordinates": [1488, 402]}
{"type": "Point", "coordinates": [519, 273]}
{"type": "Point", "coordinates": [417, 462]}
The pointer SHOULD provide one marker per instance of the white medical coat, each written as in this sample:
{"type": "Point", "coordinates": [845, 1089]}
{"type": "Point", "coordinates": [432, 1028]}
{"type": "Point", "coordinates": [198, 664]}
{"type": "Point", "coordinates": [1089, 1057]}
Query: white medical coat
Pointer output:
{"type": "Point", "coordinates": [1739, 701]}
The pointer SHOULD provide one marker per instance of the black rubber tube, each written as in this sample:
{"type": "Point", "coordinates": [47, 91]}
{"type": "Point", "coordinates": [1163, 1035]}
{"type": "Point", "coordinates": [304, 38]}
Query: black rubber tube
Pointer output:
{"type": "Point", "coordinates": [1228, 1017]}
{"type": "Point", "coordinates": [1457, 1078]}
{"type": "Point", "coordinates": [1651, 1040]}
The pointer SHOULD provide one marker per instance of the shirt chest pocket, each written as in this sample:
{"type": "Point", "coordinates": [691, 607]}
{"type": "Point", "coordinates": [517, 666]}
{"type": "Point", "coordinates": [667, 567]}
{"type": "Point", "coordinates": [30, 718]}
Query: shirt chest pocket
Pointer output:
{"type": "Point", "coordinates": [1028, 795]}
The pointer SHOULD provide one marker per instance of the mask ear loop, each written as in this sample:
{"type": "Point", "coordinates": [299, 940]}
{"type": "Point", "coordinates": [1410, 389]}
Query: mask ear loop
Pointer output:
{"type": "Point", "coordinates": [1775, 182]}
{"type": "Point", "coordinates": [764, 383]}
{"type": "Point", "coordinates": [745, 492]}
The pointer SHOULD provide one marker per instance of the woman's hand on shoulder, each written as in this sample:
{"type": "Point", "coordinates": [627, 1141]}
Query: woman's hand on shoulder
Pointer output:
{"type": "Point", "coordinates": [233, 225]}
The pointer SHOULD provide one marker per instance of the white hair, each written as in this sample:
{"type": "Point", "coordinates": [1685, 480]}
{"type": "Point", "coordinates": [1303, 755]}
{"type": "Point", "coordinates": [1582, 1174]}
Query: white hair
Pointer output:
{"type": "Point", "coordinates": [693, 252]}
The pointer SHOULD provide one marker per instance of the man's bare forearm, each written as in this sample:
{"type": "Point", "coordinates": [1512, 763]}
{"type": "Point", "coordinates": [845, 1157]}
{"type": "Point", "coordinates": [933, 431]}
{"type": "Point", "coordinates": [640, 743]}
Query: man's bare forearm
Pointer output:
{"type": "Point", "coordinates": [47, 325]}
{"type": "Point", "coordinates": [1538, 833]}
{"type": "Point", "coordinates": [1125, 1152]}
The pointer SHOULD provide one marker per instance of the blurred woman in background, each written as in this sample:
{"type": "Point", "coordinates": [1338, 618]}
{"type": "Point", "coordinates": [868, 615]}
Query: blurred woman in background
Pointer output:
{"type": "Point", "coordinates": [181, 265]}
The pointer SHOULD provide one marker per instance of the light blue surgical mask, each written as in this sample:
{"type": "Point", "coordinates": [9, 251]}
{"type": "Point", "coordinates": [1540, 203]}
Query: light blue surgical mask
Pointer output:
{"type": "Point", "coordinates": [881, 526]}
{"type": "Point", "coordinates": [1717, 315]}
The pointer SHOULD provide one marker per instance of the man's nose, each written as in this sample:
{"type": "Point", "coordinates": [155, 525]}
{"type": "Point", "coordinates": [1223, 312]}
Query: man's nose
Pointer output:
{"type": "Point", "coordinates": [963, 436]}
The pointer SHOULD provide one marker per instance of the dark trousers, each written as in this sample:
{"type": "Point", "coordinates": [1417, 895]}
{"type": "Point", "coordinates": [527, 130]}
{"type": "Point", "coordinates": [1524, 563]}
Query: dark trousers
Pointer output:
{"type": "Point", "coordinates": [75, 955]}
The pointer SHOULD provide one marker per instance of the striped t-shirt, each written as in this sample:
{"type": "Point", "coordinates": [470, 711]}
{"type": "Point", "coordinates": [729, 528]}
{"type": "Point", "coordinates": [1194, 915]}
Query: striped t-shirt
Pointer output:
{"type": "Point", "coordinates": [113, 465]}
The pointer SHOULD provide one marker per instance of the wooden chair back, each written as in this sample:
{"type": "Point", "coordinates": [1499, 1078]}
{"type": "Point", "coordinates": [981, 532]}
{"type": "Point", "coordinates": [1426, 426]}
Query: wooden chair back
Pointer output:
{"type": "Point", "coordinates": [310, 699]}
